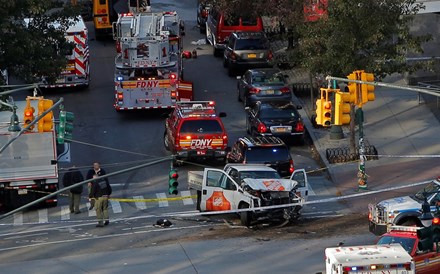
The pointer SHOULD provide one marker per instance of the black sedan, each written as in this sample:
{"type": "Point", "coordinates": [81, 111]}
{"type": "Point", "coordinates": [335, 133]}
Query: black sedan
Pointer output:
{"type": "Point", "coordinates": [277, 118]}
{"type": "Point", "coordinates": [262, 84]}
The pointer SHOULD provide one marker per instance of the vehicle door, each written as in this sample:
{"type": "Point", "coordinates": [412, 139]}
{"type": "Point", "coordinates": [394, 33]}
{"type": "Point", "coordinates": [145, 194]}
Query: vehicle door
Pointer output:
{"type": "Point", "coordinates": [219, 191]}
{"type": "Point", "coordinates": [252, 119]}
{"type": "Point", "coordinates": [300, 176]}
{"type": "Point", "coordinates": [243, 84]}
{"type": "Point", "coordinates": [212, 25]}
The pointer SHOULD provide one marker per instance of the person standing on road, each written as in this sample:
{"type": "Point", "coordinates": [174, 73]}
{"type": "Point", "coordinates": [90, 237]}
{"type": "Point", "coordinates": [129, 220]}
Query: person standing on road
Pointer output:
{"type": "Point", "coordinates": [96, 170]}
{"type": "Point", "coordinates": [101, 191]}
{"type": "Point", "coordinates": [71, 177]}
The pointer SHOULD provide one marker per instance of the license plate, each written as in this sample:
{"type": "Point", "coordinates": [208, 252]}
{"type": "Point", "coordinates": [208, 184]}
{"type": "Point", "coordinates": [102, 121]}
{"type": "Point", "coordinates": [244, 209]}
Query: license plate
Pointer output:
{"type": "Point", "coordinates": [252, 55]}
{"type": "Point", "coordinates": [22, 191]}
{"type": "Point", "coordinates": [201, 152]}
{"type": "Point", "coordinates": [270, 91]}
{"type": "Point", "coordinates": [280, 129]}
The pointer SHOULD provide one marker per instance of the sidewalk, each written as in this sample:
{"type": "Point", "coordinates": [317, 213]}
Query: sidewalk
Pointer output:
{"type": "Point", "coordinates": [405, 133]}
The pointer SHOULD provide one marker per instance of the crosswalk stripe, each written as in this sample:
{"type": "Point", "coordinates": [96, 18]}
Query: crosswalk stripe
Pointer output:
{"type": "Point", "coordinates": [162, 196]}
{"type": "Point", "coordinates": [65, 213]}
{"type": "Point", "coordinates": [92, 212]}
{"type": "Point", "coordinates": [116, 206]}
{"type": "Point", "coordinates": [186, 201]}
{"type": "Point", "coordinates": [42, 216]}
{"type": "Point", "coordinates": [18, 218]}
{"type": "Point", "coordinates": [140, 205]}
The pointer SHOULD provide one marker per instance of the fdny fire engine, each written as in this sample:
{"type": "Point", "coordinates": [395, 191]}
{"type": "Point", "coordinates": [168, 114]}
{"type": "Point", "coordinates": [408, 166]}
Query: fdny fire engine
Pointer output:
{"type": "Point", "coordinates": [148, 65]}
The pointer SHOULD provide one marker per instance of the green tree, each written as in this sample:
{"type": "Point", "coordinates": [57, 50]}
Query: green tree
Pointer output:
{"type": "Point", "coordinates": [33, 48]}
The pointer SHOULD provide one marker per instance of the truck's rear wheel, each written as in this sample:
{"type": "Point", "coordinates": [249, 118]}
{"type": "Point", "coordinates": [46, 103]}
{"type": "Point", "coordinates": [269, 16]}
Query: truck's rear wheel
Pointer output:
{"type": "Point", "coordinates": [245, 216]}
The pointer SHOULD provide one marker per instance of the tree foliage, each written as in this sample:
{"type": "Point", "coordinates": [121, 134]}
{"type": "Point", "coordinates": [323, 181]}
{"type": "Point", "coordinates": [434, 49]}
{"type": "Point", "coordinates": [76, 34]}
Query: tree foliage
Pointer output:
{"type": "Point", "coordinates": [33, 48]}
{"type": "Point", "coordinates": [364, 34]}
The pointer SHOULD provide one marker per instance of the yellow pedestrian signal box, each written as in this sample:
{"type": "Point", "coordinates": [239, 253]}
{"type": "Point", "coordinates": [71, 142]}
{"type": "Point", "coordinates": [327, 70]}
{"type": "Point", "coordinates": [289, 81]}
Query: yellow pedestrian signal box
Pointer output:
{"type": "Point", "coordinates": [342, 108]}
{"type": "Point", "coordinates": [367, 91]}
{"type": "Point", "coordinates": [45, 124]}
{"type": "Point", "coordinates": [28, 114]}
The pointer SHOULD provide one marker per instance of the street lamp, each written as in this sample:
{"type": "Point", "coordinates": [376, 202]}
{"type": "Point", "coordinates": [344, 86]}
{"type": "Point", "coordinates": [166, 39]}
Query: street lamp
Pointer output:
{"type": "Point", "coordinates": [426, 217]}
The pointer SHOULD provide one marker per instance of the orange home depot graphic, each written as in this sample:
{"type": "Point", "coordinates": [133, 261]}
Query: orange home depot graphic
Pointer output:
{"type": "Point", "coordinates": [274, 185]}
{"type": "Point", "coordinates": [217, 202]}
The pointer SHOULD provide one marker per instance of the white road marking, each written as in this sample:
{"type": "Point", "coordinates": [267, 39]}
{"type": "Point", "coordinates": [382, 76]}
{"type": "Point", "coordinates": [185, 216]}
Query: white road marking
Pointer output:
{"type": "Point", "coordinates": [92, 212]}
{"type": "Point", "coordinates": [140, 205]}
{"type": "Point", "coordinates": [42, 216]}
{"type": "Point", "coordinates": [18, 218]}
{"type": "Point", "coordinates": [187, 201]}
{"type": "Point", "coordinates": [116, 206]}
{"type": "Point", "coordinates": [65, 213]}
{"type": "Point", "coordinates": [162, 196]}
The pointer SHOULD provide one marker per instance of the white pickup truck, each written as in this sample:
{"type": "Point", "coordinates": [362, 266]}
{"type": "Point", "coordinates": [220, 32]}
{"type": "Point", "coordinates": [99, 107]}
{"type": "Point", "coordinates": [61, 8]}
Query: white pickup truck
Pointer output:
{"type": "Point", "coordinates": [240, 186]}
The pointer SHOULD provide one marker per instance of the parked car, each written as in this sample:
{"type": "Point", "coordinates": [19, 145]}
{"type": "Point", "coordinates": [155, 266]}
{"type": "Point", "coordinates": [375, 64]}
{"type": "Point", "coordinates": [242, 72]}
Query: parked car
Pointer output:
{"type": "Point", "coordinates": [278, 118]}
{"type": "Point", "coordinates": [271, 151]}
{"type": "Point", "coordinates": [219, 26]}
{"type": "Point", "coordinates": [246, 50]}
{"type": "Point", "coordinates": [202, 14]}
{"type": "Point", "coordinates": [263, 84]}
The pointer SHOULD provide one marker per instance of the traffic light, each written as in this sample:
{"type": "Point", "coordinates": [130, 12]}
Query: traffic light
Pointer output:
{"type": "Point", "coordinates": [342, 108]}
{"type": "Point", "coordinates": [353, 88]}
{"type": "Point", "coordinates": [28, 114]}
{"type": "Point", "coordinates": [327, 113]}
{"type": "Point", "coordinates": [324, 108]}
{"type": "Point", "coordinates": [65, 126]}
{"type": "Point", "coordinates": [367, 91]}
{"type": "Point", "coordinates": [319, 109]}
{"type": "Point", "coordinates": [425, 238]}
{"type": "Point", "coordinates": [45, 123]}
{"type": "Point", "coordinates": [172, 182]}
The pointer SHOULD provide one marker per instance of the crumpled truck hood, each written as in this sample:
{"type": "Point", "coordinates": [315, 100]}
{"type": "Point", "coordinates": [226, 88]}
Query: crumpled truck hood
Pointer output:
{"type": "Point", "coordinates": [270, 184]}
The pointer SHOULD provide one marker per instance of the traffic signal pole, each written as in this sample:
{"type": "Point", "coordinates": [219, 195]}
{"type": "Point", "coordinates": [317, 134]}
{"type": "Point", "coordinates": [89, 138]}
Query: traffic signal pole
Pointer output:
{"type": "Point", "coordinates": [362, 176]}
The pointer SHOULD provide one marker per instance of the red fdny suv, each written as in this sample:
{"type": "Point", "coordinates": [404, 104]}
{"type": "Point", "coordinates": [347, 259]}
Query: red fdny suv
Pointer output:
{"type": "Point", "coordinates": [194, 131]}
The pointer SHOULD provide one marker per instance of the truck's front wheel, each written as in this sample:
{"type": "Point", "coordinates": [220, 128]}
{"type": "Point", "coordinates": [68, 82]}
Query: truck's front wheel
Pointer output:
{"type": "Point", "coordinates": [245, 216]}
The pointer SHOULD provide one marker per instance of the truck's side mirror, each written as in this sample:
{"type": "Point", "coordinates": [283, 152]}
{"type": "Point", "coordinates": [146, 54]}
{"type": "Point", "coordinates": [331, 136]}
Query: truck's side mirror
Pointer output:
{"type": "Point", "coordinates": [222, 114]}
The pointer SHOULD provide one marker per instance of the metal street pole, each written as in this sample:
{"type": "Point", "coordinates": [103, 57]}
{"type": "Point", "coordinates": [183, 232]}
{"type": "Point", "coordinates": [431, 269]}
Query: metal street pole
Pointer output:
{"type": "Point", "coordinates": [362, 176]}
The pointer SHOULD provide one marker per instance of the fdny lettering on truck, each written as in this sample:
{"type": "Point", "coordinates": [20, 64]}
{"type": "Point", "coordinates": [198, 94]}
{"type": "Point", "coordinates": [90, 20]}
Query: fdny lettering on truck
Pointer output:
{"type": "Point", "coordinates": [147, 84]}
{"type": "Point", "coordinates": [201, 143]}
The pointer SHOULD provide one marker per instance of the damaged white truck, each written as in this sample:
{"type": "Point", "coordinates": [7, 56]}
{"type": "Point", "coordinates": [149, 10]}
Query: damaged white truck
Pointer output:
{"type": "Point", "coordinates": [273, 199]}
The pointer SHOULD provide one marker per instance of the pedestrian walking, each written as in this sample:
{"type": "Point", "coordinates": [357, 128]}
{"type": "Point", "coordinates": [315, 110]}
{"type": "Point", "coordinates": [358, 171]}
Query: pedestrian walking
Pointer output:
{"type": "Point", "coordinates": [101, 191]}
{"type": "Point", "coordinates": [71, 177]}
{"type": "Point", "coordinates": [96, 170]}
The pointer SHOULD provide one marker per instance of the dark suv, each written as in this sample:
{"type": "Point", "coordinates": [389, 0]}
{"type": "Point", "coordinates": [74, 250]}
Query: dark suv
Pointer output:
{"type": "Point", "coordinates": [247, 50]}
{"type": "Point", "coordinates": [271, 151]}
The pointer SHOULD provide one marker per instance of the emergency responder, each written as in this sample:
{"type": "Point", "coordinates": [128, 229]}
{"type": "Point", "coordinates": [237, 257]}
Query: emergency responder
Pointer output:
{"type": "Point", "coordinates": [71, 177]}
{"type": "Point", "coordinates": [101, 191]}
{"type": "Point", "coordinates": [96, 170]}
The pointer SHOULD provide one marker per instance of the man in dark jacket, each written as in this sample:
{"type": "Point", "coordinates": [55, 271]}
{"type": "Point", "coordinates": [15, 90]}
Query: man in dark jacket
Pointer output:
{"type": "Point", "coordinates": [101, 191]}
{"type": "Point", "coordinates": [96, 170]}
{"type": "Point", "coordinates": [71, 177]}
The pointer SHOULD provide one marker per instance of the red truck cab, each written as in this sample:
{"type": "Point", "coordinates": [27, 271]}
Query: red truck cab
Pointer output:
{"type": "Point", "coordinates": [426, 261]}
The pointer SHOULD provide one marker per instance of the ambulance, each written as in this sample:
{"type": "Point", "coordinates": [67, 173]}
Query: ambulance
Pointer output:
{"type": "Point", "coordinates": [368, 259]}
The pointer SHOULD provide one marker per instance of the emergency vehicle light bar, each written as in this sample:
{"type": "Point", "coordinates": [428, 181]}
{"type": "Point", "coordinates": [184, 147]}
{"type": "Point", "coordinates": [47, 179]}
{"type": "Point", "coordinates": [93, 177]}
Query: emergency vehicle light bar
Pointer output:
{"type": "Point", "coordinates": [405, 228]}
{"type": "Point", "coordinates": [196, 105]}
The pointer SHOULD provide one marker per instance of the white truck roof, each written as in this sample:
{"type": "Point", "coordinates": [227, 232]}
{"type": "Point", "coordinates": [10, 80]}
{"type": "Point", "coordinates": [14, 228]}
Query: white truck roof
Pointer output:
{"type": "Point", "coordinates": [367, 255]}
{"type": "Point", "coordinates": [31, 156]}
